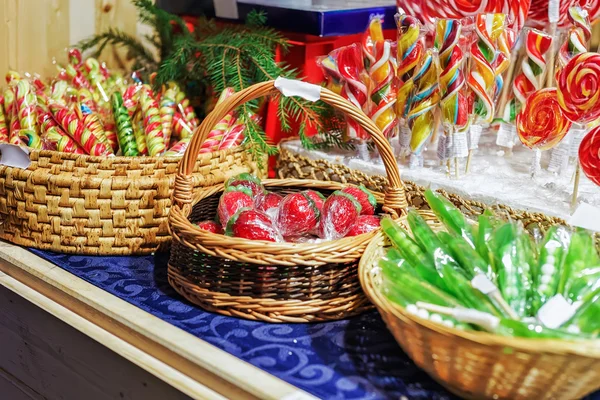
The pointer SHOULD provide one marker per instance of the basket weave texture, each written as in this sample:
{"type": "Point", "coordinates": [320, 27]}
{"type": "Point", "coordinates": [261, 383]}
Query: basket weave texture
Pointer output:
{"type": "Point", "coordinates": [294, 166]}
{"type": "Point", "coordinates": [274, 282]}
{"type": "Point", "coordinates": [82, 204]}
{"type": "Point", "coordinates": [478, 365]}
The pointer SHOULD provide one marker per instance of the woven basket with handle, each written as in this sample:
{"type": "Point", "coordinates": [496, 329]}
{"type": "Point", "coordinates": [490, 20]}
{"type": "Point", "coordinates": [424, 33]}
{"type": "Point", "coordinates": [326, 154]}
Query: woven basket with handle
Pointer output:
{"type": "Point", "coordinates": [480, 365]}
{"type": "Point", "coordinates": [274, 282]}
{"type": "Point", "coordinates": [70, 203]}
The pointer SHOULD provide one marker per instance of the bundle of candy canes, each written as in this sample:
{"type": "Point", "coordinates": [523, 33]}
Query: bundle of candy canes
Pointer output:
{"type": "Point", "coordinates": [461, 73]}
{"type": "Point", "coordinates": [87, 109]}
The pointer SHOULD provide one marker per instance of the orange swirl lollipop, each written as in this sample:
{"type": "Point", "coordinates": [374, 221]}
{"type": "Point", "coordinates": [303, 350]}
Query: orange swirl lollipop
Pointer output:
{"type": "Point", "coordinates": [578, 85]}
{"type": "Point", "coordinates": [589, 155]}
{"type": "Point", "coordinates": [541, 123]}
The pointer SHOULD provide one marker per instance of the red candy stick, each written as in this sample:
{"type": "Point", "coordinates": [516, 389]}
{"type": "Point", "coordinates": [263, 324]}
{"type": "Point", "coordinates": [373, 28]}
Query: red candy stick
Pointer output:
{"type": "Point", "coordinates": [77, 130]}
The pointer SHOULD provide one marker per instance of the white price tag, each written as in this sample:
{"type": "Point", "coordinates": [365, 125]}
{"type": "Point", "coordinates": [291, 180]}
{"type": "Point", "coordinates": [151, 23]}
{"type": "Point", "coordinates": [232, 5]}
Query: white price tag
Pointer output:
{"type": "Point", "coordinates": [483, 284]}
{"type": "Point", "coordinates": [14, 156]}
{"type": "Point", "coordinates": [460, 147]}
{"type": "Point", "coordinates": [293, 87]}
{"type": "Point", "coordinates": [507, 135]}
{"type": "Point", "coordinates": [474, 136]}
{"type": "Point", "coordinates": [555, 312]}
{"type": "Point", "coordinates": [577, 136]}
{"type": "Point", "coordinates": [441, 150]}
{"type": "Point", "coordinates": [587, 217]}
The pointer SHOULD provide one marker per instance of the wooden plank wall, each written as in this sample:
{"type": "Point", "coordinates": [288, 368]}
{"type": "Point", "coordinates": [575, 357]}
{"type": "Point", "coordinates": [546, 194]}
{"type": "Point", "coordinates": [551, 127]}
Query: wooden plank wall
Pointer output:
{"type": "Point", "coordinates": [34, 32]}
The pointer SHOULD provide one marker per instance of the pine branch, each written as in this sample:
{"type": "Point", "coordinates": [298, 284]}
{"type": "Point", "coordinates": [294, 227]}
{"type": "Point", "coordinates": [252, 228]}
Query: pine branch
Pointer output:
{"type": "Point", "coordinates": [118, 38]}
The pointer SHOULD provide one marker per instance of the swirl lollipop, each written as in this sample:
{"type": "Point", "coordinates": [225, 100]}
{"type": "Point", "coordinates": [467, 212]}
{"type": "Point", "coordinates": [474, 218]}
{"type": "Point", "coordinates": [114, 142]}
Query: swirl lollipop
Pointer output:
{"type": "Point", "coordinates": [577, 36]}
{"type": "Point", "coordinates": [454, 103]}
{"type": "Point", "coordinates": [537, 44]}
{"type": "Point", "coordinates": [410, 49]}
{"type": "Point", "coordinates": [384, 94]}
{"type": "Point", "coordinates": [452, 79]}
{"type": "Point", "coordinates": [541, 124]}
{"type": "Point", "coordinates": [373, 34]}
{"type": "Point", "coordinates": [481, 75]}
{"type": "Point", "coordinates": [351, 70]}
{"type": "Point", "coordinates": [589, 155]}
{"type": "Point", "coordinates": [421, 118]}
{"type": "Point", "coordinates": [578, 85]}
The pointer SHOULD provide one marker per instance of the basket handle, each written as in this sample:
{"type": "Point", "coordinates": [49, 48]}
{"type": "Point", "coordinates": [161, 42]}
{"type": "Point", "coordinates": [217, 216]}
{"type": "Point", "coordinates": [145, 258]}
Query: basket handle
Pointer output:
{"type": "Point", "coordinates": [395, 198]}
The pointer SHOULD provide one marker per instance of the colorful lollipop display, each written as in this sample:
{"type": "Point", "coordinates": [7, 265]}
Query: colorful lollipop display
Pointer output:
{"type": "Point", "coordinates": [578, 85]}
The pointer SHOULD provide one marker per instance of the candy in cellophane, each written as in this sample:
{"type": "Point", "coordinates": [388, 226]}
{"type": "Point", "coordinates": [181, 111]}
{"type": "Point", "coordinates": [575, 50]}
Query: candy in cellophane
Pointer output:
{"type": "Point", "coordinates": [340, 213]}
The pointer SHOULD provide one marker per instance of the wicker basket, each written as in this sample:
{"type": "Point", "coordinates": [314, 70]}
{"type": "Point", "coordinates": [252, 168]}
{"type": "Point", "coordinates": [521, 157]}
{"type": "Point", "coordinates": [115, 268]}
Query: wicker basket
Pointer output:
{"type": "Point", "coordinates": [82, 204]}
{"type": "Point", "coordinates": [274, 282]}
{"type": "Point", "coordinates": [481, 365]}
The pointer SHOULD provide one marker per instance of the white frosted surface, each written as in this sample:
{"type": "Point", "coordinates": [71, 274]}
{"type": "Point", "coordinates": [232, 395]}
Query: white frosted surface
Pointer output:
{"type": "Point", "coordinates": [494, 178]}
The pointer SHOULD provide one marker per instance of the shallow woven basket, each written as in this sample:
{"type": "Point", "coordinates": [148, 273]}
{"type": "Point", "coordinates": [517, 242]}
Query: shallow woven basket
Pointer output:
{"type": "Point", "coordinates": [82, 204]}
{"type": "Point", "coordinates": [294, 166]}
{"type": "Point", "coordinates": [274, 282]}
{"type": "Point", "coordinates": [481, 365]}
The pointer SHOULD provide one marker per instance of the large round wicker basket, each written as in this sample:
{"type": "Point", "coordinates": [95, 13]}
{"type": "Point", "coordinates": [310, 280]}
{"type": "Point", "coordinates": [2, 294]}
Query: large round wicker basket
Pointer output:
{"type": "Point", "coordinates": [259, 280]}
{"type": "Point", "coordinates": [82, 204]}
{"type": "Point", "coordinates": [479, 365]}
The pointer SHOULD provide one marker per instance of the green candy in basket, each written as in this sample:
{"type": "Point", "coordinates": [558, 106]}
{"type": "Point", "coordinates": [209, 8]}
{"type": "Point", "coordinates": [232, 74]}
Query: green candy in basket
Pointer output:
{"type": "Point", "coordinates": [492, 276]}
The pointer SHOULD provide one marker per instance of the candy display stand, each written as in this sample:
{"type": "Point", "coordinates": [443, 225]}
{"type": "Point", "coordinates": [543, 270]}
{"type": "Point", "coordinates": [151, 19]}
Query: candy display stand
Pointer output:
{"type": "Point", "coordinates": [268, 281]}
{"type": "Point", "coordinates": [80, 204]}
{"type": "Point", "coordinates": [481, 365]}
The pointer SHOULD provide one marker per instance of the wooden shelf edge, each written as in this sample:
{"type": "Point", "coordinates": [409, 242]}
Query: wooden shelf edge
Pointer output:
{"type": "Point", "coordinates": [193, 366]}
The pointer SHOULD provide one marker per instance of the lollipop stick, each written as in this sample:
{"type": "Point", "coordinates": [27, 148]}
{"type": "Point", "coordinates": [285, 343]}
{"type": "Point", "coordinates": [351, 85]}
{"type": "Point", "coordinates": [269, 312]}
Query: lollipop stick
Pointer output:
{"type": "Point", "coordinates": [536, 164]}
{"type": "Point", "coordinates": [456, 173]}
{"type": "Point", "coordinates": [552, 57]}
{"type": "Point", "coordinates": [575, 186]}
{"type": "Point", "coordinates": [363, 151]}
{"type": "Point", "coordinates": [553, 17]}
{"type": "Point", "coordinates": [469, 157]}
{"type": "Point", "coordinates": [508, 86]}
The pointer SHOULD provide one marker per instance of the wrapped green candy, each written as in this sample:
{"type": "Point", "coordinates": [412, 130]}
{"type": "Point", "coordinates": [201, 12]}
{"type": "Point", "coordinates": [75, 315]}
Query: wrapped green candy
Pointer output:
{"type": "Point", "coordinates": [413, 287]}
{"type": "Point", "coordinates": [553, 251]}
{"type": "Point", "coordinates": [411, 252]}
{"type": "Point", "coordinates": [586, 282]}
{"type": "Point", "coordinates": [469, 259]}
{"type": "Point", "coordinates": [487, 223]}
{"type": "Point", "coordinates": [125, 133]}
{"type": "Point", "coordinates": [587, 317]}
{"type": "Point", "coordinates": [431, 244]}
{"type": "Point", "coordinates": [512, 277]}
{"type": "Point", "coordinates": [581, 255]}
{"type": "Point", "coordinates": [450, 216]}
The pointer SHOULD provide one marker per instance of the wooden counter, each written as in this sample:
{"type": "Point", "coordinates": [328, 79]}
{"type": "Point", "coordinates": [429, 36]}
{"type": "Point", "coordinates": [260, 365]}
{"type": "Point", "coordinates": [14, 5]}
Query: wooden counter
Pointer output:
{"type": "Point", "coordinates": [63, 338]}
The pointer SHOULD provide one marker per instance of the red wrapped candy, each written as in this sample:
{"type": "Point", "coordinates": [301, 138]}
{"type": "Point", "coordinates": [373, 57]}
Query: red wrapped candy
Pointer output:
{"type": "Point", "coordinates": [589, 155]}
{"type": "Point", "coordinates": [541, 123]}
{"type": "Point", "coordinates": [578, 85]}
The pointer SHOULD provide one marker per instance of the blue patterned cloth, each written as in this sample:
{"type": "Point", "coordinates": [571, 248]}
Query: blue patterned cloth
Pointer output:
{"type": "Point", "coordinates": [351, 359]}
